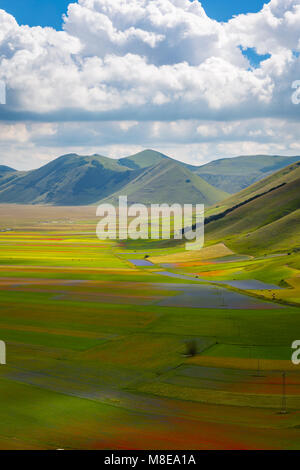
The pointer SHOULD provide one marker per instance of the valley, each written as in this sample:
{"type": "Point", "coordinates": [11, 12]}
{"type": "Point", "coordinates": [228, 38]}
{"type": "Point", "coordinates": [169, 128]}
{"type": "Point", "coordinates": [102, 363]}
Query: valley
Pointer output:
{"type": "Point", "coordinates": [98, 341]}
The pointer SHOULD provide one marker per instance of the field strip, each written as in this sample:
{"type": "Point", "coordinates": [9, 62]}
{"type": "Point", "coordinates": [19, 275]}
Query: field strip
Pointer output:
{"type": "Point", "coordinates": [217, 397]}
{"type": "Point", "coordinates": [152, 404]}
{"type": "Point", "coordinates": [68, 268]}
{"type": "Point", "coordinates": [38, 329]}
{"type": "Point", "coordinates": [242, 364]}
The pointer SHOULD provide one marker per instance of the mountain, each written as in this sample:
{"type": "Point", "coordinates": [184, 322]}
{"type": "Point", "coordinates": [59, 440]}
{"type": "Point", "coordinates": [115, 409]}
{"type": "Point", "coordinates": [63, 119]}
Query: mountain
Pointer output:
{"type": "Point", "coordinates": [82, 180]}
{"type": "Point", "coordinates": [228, 174]}
{"type": "Point", "coordinates": [143, 159]}
{"type": "Point", "coordinates": [148, 176]}
{"type": "Point", "coordinates": [169, 182]}
{"type": "Point", "coordinates": [6, 169]}
{"type": "Point", "coordinates": [68, 180]}
{"type": "Point", "coordinates": [263, 218]}
{"type": "Point", "coordinates": [234, 174]}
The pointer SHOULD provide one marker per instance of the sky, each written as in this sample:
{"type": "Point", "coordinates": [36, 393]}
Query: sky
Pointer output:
{"type": "Point", "coordinates": [195, 80]}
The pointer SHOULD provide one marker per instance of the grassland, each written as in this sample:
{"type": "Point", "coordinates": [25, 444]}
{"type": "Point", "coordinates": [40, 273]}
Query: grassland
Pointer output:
{"type": "Point", "coordinates": [262, 219]}
{"type": "Point", "coordinates": [96, 361]}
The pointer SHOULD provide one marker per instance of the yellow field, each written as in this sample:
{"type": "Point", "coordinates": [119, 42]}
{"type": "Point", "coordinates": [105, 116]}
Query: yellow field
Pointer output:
{"type": "Point", "coordinates": [207, 253]}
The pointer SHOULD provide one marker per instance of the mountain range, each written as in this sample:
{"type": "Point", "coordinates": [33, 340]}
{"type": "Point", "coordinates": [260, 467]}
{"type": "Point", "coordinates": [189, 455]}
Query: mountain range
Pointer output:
{"type": "Point", "coordinates": [146, 177]}
{"type": "Point", "coordinates": [235, 174]}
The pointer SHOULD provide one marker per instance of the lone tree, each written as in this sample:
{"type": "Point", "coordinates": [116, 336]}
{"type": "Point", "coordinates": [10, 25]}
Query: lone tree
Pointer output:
{"type": "Point", "coordinates": [191, 348]}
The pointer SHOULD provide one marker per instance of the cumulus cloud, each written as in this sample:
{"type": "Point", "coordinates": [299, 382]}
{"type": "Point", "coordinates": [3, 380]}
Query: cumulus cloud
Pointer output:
{"type": "Point", "coordinates": [149, 56]}
{"type": "Point", "coordinates": [153, 61]}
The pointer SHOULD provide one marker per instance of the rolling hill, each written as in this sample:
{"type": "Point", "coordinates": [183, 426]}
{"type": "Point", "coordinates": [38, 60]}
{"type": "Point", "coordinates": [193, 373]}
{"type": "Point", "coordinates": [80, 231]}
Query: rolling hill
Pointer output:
{"type": "Point", "coordinates": [7, 174]}
{"type": "Point", "coordinates": [263, 218]}
{"type": "Point", "coordinates": [6, 169]}
{"type": "Point", "coordinates": [234, 174]}
{"type": "Point", "coordinates": [169, 182]}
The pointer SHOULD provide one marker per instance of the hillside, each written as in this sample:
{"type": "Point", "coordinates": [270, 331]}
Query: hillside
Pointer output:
{"type": "Point", "coordinates": [143, 159]}
{"type": "Point", "coordinates": [235, 174]}
{"type": "Point", "coordinates": [262, 218]}
{"type": "Point", "coordinates": [169, 182]}
{"type": "Point", "coordinates": [68, 180]}
{"type": "Point", "coordinates": [148, 176]}
{"type": "Point", "coordinates": [6, 169]}
{"type": "Point", "coordinates": [7, 174]}
{"type": "Point", "coordinates": [82, 180]}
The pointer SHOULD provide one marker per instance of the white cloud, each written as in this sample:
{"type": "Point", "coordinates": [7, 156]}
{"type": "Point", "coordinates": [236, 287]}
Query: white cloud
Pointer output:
{"type": "Point", "coordinates": [159, 69]}
{"type": "Point", "coordinates": [146, 55]}
{"type": "Point", "coordinates": [30, 145]}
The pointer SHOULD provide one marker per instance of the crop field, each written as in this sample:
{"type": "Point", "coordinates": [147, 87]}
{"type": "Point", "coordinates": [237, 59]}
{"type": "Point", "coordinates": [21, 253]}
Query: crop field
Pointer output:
{"type": "Point", "coordinates": [99, 346]}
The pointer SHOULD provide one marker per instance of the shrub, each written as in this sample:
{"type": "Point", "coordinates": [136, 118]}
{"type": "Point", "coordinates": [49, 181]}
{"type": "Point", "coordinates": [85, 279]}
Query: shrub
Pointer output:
{"type": "Point", "coordinates": [191, 348]}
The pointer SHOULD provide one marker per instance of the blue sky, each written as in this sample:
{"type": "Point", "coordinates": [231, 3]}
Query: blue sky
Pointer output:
{"type": "Point", "coordinates": [223, 10]}
{"type": "Point", "coordinates": [157, 74]}
{"type": "Point", "coordinates": [49, 12]}
{"type": "Point", "coordinates": [37, 12]}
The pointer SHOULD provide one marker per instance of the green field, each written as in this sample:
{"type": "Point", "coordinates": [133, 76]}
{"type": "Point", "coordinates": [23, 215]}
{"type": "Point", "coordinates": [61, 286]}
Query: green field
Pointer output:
{"type": "Point", "coordinates": [97, 348]}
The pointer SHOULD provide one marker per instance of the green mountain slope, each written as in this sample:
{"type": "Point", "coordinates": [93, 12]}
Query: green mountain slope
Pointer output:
{"type": "Point", "coordinates": [169, 182]}
{"type": "Point", "coordinates": [68, 180]}
{"type": "Point", "coordinates": [7, 174]}
{"type": "Point", "coordinates": [143, 159]}
{"type": "Point", "coordinates": [147, 176]}
{"type": "Point", "coordinates": [234, 174]}
{"type": "Point", "coordinates": [262, 218]}
{"type": "Point", "coordinates": [80, 180]}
